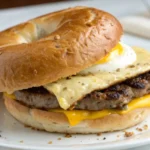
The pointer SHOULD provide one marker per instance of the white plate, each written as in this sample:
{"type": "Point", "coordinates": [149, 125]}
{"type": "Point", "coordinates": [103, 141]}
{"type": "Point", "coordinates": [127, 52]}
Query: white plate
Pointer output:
{"type": "Point", "coordinates": [15, 135]}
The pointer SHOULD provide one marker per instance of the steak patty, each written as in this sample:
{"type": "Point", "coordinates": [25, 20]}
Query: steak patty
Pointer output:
{"type": "Point", "coordinates": [117, 96]}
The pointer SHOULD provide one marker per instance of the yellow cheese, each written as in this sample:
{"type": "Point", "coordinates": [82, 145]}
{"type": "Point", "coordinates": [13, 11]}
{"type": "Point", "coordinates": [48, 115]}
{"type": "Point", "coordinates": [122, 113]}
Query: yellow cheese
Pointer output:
{"type": "Point", "coordinates": [10, 95]}
{"type": "Point", "coordinates": [76, 116]}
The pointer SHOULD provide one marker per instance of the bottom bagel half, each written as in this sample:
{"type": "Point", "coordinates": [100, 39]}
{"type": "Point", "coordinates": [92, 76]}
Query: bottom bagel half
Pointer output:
{"type": "Point", "coordinates": [58, 122]}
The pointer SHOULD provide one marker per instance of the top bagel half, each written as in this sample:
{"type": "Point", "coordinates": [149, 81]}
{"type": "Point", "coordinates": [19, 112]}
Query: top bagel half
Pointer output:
{"type": "Point", "coordinates": [55, 46]}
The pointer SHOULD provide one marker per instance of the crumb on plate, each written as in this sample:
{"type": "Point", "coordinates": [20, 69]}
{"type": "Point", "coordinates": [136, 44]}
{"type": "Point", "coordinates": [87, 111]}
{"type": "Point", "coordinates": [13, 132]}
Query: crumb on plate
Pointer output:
{"type": "Point", "coordinates": [59, 139]}
{"type": "Point", "coordinates": [68, 135]}
{"type": "Point", "coordinates": [50, 142]}
{"type": "Point", "coordinates": [128, 134]}
{"type": "Point", "coordinates": [139, 129]}
{"type": "Point", "coordinates": [99, 134]}
{"type": "Point", "coordinates": [145, 127]}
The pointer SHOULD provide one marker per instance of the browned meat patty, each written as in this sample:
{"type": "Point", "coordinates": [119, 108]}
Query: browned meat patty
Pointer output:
{"type": "Point", "coordinates": [117, 96]}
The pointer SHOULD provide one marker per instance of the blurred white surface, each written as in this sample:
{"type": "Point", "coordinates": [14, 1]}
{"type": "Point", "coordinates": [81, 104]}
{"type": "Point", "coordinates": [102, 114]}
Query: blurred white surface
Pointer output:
{"type": "Point", "coordinates": [133, 25]}
{"type": "Point", "coordinates": [119, 8]}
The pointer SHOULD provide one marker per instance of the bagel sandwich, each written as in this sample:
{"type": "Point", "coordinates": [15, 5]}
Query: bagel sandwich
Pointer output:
{"type": "Point", "coordinates": [68, 72]}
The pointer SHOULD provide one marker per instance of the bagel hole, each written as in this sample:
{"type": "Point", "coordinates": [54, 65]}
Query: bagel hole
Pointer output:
{"type": "Point", "coordinates": [44, 32]}
{"type": "Point", "coordinates": [41, 33]}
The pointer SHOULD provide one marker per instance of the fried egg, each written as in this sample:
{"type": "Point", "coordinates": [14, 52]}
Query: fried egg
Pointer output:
{"type": "Point", "coordinates": [120, 56]}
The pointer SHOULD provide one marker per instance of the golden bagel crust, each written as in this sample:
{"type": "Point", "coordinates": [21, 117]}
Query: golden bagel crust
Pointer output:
{"type": "Point", "coordinates": [55, 46]}
{"type": "Point", "coordinates": [58, 122]}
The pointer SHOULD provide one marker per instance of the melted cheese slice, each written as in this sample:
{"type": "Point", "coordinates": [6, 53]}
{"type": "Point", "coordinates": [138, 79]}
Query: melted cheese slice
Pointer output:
{"type": "Point", "coordinates": [76, 116]}
{"type": "Point", "coordinates": [68, 92]}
